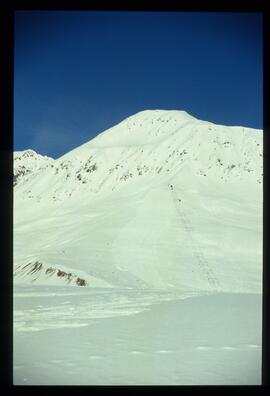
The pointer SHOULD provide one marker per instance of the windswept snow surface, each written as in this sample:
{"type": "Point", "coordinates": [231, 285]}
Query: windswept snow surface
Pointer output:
{"type": "Point", "coordinates": [160, 207]}
{"type": "Point", "coordinates": [75, 336]}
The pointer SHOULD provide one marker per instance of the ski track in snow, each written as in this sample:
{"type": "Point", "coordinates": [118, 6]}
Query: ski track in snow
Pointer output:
{"type": "Point", "coordinates": [196, 251]}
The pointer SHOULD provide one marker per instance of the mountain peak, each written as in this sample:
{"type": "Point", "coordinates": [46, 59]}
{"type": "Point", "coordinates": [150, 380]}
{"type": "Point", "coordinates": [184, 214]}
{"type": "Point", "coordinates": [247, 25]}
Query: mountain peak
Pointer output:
{"type": "Point", "coordinates": [28, 153]}
{"type": "Point", "coordinates": [144, 127]}
{"type": "Point", "coordinates": [25, 153]}
{"type": "Point", "coordinates": [28, 161]}
{"type": "Point", "coordinates": [156, 113]}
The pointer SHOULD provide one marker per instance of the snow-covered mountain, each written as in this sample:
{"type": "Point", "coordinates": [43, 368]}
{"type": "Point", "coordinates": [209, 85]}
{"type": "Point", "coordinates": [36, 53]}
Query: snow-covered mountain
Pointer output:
{"type": "Point", "coordinates": [161, 200]}
{"type": "Point", "coordinates": [27, 162]}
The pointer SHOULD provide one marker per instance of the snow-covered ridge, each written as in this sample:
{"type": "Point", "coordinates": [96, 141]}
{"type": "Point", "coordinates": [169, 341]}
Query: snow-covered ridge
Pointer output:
{"type": "Point", "coordinates": [26, 162]}
{"type": "Point", "coordinates": [151, 144]}
{"type": "Point", "coordinates": [144, 128]}
{"type": "Point", "coordinates": [160, 200]}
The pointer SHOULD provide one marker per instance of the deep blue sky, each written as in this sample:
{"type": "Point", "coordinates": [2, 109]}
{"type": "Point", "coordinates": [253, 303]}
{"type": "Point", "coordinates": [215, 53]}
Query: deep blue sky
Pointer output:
{"type": "Point", "coordinates": [79, 73]}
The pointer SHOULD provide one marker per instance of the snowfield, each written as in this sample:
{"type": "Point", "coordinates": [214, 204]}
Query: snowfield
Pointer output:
{"type": "Point", "coordinates": [138, 256]}
{"type": "Point", "coordinates": [68, 337]}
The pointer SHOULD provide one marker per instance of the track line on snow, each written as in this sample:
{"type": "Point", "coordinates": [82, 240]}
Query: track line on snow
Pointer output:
{"type": "Point", "coordinates": [202, 262]}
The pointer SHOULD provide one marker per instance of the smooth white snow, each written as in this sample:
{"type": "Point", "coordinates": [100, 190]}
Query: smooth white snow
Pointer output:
{"type": "Point", "coordinates": [112, 338]}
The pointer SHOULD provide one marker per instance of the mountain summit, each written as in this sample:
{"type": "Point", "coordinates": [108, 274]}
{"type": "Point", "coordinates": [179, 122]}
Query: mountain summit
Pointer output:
{"type": "Point", "coordinates": [161, 200]}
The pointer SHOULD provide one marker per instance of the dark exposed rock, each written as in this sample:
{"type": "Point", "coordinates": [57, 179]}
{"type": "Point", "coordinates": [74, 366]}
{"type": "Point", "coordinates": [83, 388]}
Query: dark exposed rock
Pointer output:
{"type": "Point", "coordinates": [81, 282]}
{"type": "Point", "coordinates": [61, 273]}
{"type": "Point", "coordinates": [36, 267]}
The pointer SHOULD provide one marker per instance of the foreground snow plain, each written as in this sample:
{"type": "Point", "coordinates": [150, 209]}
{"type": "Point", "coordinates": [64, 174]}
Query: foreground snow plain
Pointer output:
{"type": "Point", "coordinates": [160, 218]}
{"type": "Point", "coordinates": [74, 336]}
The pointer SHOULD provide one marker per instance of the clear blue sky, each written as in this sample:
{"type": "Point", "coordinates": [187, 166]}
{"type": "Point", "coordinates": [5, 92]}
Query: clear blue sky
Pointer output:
{"type": "Point", "coordinates": [79, 73]}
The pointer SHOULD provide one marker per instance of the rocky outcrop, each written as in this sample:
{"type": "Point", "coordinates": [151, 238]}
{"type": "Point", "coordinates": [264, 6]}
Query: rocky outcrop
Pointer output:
{"type": "Point", "coordinates": [36, 269]}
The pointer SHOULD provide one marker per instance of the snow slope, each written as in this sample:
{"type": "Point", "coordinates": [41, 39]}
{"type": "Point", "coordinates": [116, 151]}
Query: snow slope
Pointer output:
{"type": "Point", "coordinates": [161, 201]}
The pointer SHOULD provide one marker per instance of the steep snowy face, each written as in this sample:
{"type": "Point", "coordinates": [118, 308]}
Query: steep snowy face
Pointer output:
{"type": "Point", "coordinates": [145, 127]}
{"type": "Point", "coordinates": [160, 200]}
{"type": "Point", "coordinates": [28, 162]}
